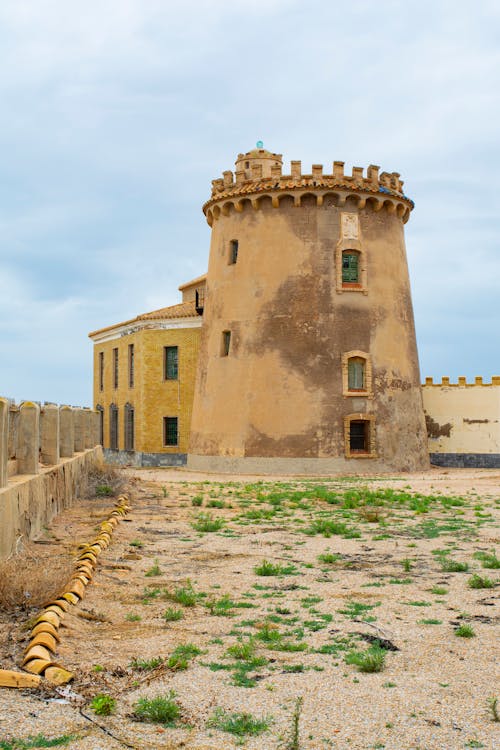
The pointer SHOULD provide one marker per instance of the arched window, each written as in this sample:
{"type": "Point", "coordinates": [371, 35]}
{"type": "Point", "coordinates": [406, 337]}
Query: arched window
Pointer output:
{"type": "Point", "coordinates": [129, 427]}
{"type": "Point", "coordinates": [350, 267]}
{"type": "Point", "coordinates": [100, 410]}
{"type": "Point", "coordinates": [356, 374]}
{"type": "Point", "coordinates": [357, 377]}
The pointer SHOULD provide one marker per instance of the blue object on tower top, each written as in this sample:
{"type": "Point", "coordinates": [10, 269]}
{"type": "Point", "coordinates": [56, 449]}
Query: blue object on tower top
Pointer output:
{"type": "Point", "coordinates": [260, 144]}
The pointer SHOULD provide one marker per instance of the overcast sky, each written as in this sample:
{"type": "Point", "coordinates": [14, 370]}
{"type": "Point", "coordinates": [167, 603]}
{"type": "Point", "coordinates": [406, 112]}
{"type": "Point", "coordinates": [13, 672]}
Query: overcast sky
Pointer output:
{"type": "Point", "coordinates": [117, 114]}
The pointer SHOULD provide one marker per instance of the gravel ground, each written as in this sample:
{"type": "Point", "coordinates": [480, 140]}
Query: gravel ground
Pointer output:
{"type": "Point", "coordinates": [383, 576]}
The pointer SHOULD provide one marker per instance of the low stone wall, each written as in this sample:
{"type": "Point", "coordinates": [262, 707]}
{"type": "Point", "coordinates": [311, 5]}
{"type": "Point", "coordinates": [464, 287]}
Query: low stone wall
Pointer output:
{"type": "Point", "coordinates": [30, 502]}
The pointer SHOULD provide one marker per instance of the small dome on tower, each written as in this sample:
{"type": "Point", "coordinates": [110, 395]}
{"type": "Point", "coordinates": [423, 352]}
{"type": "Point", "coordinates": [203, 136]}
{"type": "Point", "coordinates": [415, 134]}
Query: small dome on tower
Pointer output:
{"type": "Point", "coordinates": [258, 155]}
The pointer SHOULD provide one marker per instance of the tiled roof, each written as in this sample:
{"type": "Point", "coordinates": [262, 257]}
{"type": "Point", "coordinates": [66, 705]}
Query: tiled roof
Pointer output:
{"type": "Point", "coordinates": [183, 310]}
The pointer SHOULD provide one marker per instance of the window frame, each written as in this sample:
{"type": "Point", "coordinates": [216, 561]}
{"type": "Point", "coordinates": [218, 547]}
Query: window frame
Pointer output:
{"type": "Point", "coordinates": [367, 390]}
{"type": "Point", "coordinates": [233, 252]}
{"type": "Point", "coordinates": [129, 427]}
{"type": "Point", "coordinates": [225, 343]}
{"type": "Point", "coordinates": [100, 410]}
{"type": "Point", "coordinates": [131, 366]}
{"type": "Point", "coordinates": [101, 371]}
{"type": "Point", "coordinates": [115, 368]}
{"type": "Point", "coordinates": [166, 350]}
{"type": "Point", "coordinates": [369, 422]}
{"type": "Point", "coordinates": [114, 427]}
{"type": "Point", "coordinates": [166, 444]}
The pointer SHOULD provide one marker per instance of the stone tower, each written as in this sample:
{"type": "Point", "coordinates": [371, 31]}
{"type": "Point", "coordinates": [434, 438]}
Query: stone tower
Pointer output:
{"type": "Point", "coordinates": [308, 360]}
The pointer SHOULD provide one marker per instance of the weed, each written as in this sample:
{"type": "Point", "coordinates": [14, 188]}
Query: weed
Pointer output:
{"type": "Point", "coordinates": [146, 665]}
{"type": "Point", "coordinates": [136, 543]}
{"type": "Point", "coordinates": [131, 617]}
{"type": "Point", "coordinates": [294, 741]}
{"type": "Point", "coordinates": [493, 708]}
{"type": "Point", "coordinates": [154, 571]}
{"type": "Point", "coordinates": [98, 668]}
{"type": "Point", "coordinates": [407, 564]}
{"type": "Point", "coordinates": [353, 610]}
{"type": "Point", "coordinates": [465, 631]}
{"type": "Point", "coordinates": [453, 566]}
{"type": "Point", "coordinates": [185, 595]}
{"type": "Point", "coordinates": [371, 660]}
{"type": "Point", "coordinates": [164, 491]}
{"type": "Point", "coordinates": [205, 522]}
{"type": "Point", "coordinates": [480, 582]}
{"type": "Point", "coordinates": [163, 709]}
{"type": "Point", "coordinates": [240, 724]}
{"type": "Point", "coordinates": [182, 655]}
{"type": "Point", "coordinates": [216, 504]}
{"type": "Point", "coordinates": [221, 607]}
{"type": "Point", "coordinates": [104, 490]}
{"type": "Point", "coordinates": [266, 568]}
{"type": "Point", "coordinates": [103, 704]}
{"type": "Point", "coordinates": [419, 603]}
{"type": "Point", "coordinates": [102, 482]}
{"type": "Point", "coordinates": [29, 580]}
{"type": "Point", "coordinates": [34, 742]}
{"type": "Point", "coordinates": [488, 560]}
{"type": "Point", "coordinates": [430, 621]}
{"type": "Point", "coordinates": [197, 501]}
{"type": "Point", "coordinates": [330, 558]}
{"type": "Point", "coordinates": [439, 590]}
{"type": "Point", "coordinates": [171, 614]}
{"type": "Point", "coordinates": [242, 651]}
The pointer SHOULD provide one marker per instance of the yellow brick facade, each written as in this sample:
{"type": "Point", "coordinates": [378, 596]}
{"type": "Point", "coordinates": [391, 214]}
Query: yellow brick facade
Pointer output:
{"type": "Point", "coordinates": [145, 387]}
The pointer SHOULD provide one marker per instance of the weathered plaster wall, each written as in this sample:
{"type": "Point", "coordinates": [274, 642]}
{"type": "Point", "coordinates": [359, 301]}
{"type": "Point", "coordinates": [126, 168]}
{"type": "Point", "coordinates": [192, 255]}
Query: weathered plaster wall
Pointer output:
{"type": "Point", "coordinates": [29, 502]}
{"type": "Point", "coordinates": [463, 419]}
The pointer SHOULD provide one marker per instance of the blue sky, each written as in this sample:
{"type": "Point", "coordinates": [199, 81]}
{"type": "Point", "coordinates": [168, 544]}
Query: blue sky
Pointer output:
{"type": "Point", "coordinates": [117, 114]}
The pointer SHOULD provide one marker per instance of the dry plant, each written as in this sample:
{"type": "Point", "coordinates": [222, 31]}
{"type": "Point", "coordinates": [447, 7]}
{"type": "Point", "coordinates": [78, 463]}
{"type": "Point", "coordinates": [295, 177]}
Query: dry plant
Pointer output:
{"type": "Point", "coordinates": [105, 481]}
{"type": "Point", "coordinates": [30, 580]}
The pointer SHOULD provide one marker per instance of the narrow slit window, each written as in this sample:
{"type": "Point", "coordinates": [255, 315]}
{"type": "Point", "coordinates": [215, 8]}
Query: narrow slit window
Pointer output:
{"type": "Point", "coordinates": [356, 380]}
{"type": "Point", "coordinates": [226, 343]}
{"type": "Point", "coordinates": [171, 362]}
{"type": "Point", "coordinates": [131, 365]}
{"type": "Point", "coordinates": [100, 411]}
{"type": "Point", "coordinates": [233, 252]}
{"type": "Point", "coordinates": [101, 371]}
{"type": "Point", "coordinates": [350, 267]}
{"type": "Point", "coordinates": [115, 368]}
{"type": "Point", "coordinates": [170, 431]}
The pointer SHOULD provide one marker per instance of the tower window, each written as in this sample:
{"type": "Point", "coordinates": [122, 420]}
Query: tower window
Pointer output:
{"type": "Point", "coordinates": [350, 267]}
{"type": "Point", "coordinates": [113, 427]}
{"type": "Point", "coordinates": [129, 427]}
{"type": "Point", "coordinates": [100, 411]}
{"type": "Point", "coordinates": [170, 431]}
{"type": "Point", "coordinates": [130, 365]}
{"type": "Point", "coordinates": [233, 252]}
{"type": "Point", "coordinates": [356, 374]}
{"type": "Point", "coordinates": [101, 371]}
{"type": "Point", "coordinates": [359, 436]}
{"type": "Point", "coordinates": [226, 343]}
{"type": "Point", "coordinates": [171, 362]}
{"type": "Point", "coordinates": [115, 368]}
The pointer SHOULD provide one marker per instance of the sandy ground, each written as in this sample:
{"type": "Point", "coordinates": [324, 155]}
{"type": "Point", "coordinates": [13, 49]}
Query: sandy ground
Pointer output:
{"type": "Point", "coordinates": [381, 577]}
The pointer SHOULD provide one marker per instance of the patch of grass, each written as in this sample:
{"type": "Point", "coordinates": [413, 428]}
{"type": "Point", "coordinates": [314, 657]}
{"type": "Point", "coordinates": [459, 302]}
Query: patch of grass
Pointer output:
{"type": "Point", "coordinates": [267, 568]}
{"type": "Point", "coordinates": [239, 724]}
{"type": "Point", "coordinates": [104, 490]}
{"type": "Point", "coordinates": [216, 504]}
{"type": "Point", "coordinates": [185, 595]}
{"type": "Point", "coordinates": [146, 665]}
{"type": "Point", "coordinates": [330, 558]}
{"type": "Point", "coordinates": [480, 582]}
{"type": "Point", "coordinates": [419, 603]}
{"type": "Point", "coordinates": [103, 704]}
{"type": "Point", "coordinates": [439, 590]}
{"type": "Point", "coordinates": [29, 581]}
{"type": "Point", "coordinates": [370, 660]}
{"type": "Point", "coordinates": [163, 709]}
{"type": "Point", "coordinates": [182, 655]}
{"type": "Point", "coordinates": [221, 607]}
{"type": "Point", "coordinates": [328, 528]}
{"type": "Point", "coordinates": [155, 570]}
{"type": "Point", "coordinates": [465, 631]}
{"type": "Point", "coordinates": [242, 651]}
{"type": "Point", "coordinates": [137, 543]}
{"type": "Point", "coordinates": [197, 501]}
{"type": "Point", "coordinates": [294, 739]}
{"type": "Point", "coordinates": [400, 581]}
{"type": "Point", "coordinates": [132, 617]}
{"type": "Point", "coordinates": [430, 621]}
{"type": "Point", "coordinates": [407, 564]}
{"type": "Point", "coordinates": [34, 742]}
{"type": "Point", "coordinates": [353, 610]}
{"type": "Point", "coordinates": [150, 593]}
{"type": "Point", "coordinates": [488, 560]}
{"type": "Point", "coordinates": [171, 614]}
{"type": "Point", "coordinates": [454, 566]}
{"type": "Point", "coordinates": [205, 522]}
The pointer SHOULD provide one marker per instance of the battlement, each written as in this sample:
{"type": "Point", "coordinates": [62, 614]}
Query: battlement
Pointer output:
{"type": "Point", "coordinates": [260, 172]}
{"type": "Point", "coordinates": [462, 382]}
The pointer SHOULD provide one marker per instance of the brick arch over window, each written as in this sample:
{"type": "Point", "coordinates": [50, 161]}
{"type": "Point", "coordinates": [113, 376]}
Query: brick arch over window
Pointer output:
{"type": "Point", "coordinates": [359, 436]}
{"type": "Point", "coordinates": [357, 378]}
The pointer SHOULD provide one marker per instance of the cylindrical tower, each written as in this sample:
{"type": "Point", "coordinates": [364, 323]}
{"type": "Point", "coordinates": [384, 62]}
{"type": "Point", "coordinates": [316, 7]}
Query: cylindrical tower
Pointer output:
{"type": "Point", "coordinates": [308, 360]}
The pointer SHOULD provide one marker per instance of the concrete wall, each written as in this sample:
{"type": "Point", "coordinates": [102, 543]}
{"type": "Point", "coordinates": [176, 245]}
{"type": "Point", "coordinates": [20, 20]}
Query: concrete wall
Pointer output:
{"type": "Point", "coordinates": [28, 503]}
{"type": "Point", "coordinates": [463, 422]}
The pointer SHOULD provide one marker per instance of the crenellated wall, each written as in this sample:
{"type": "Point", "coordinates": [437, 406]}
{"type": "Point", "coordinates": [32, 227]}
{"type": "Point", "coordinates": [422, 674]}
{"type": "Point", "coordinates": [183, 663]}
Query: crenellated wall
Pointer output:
{"type": "Point", "coordinates": [45, 455]}
{"type": "Point", "coordinates": [463, 422]}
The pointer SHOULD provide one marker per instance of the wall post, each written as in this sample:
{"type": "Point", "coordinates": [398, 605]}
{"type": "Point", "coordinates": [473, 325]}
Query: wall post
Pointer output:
{"type": "Point", "coordinates": [4, 440]}
{"type": "Point", "coordinates": [49, 434]}
{"type": "Point", "coordinates": [89, 437]}
{"type": "Point", "coordinates": [28, 438]}
{"type": "Point", "coordinates": [66, 432]}
{"type": "Point", "coordinates": [79, 423]}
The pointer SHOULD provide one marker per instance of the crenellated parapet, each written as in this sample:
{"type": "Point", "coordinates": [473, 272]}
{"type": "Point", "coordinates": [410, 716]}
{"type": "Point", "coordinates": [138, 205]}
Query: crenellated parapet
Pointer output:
{"type": "Point", "coordinates": [259, 177]}
{"type": "Point", "coordinates": [461, 382]}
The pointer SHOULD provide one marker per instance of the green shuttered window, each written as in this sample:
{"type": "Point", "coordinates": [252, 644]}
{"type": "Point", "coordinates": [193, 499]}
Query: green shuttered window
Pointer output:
{"type": "Point", "coordinates": [350, 267]}
{"type": "Point", "coordinates": [170, 431]}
